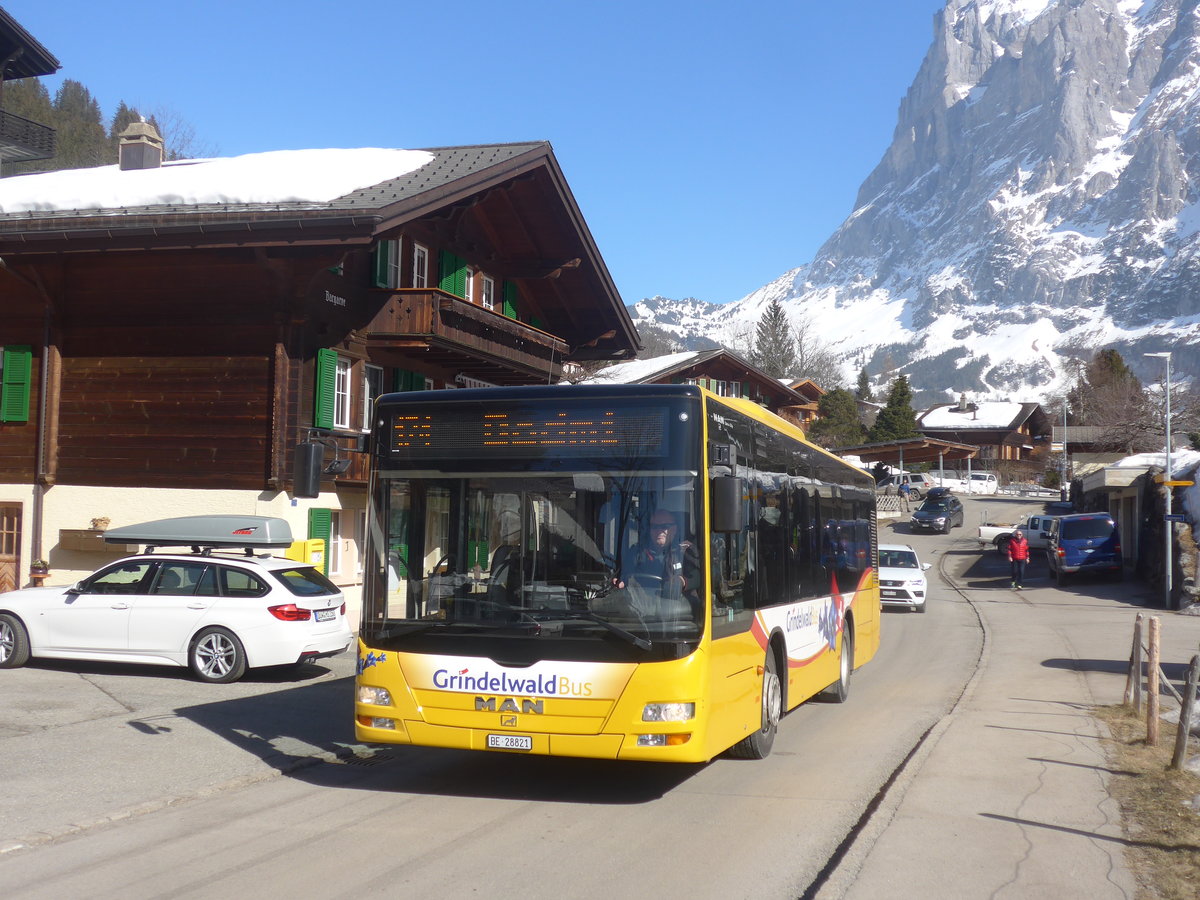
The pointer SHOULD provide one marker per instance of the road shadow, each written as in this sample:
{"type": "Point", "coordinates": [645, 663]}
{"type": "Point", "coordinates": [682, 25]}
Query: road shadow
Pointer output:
{"type": "Point", "coordinates": [267, 676]}
{"type": "Point", "coordinates": [307, 733]}
{"type": "Point", "coordinates": [1174, 672]}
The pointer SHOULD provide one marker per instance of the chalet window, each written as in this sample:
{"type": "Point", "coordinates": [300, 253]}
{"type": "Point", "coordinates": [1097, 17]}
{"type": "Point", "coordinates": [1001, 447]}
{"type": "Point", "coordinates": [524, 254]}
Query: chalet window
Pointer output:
{"type": "Point", "coordinates": [326, 372]}
{"type": "Point", "coordinates": [372, 388]}
{"type": "Point", "coordinates": [487, 292]}
{"type": "Point", "coordinates": [452, 276]}
{"type": "Point", "coordinates": [387, 264]}
{"type": "Point", "coordinates": [469, 288]}
{"type": "Point", "coordinates": [16, 367]}
{"type": "Point", "coordinates": [341, 393]}
{"type": "Point", "coordinates": [331, 394]}
{"type": "Point", "coordinates": [420, 266]}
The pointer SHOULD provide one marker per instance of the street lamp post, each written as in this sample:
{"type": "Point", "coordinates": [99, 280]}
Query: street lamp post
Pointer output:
{"type": "Point", "coordinates": [1168, 525]}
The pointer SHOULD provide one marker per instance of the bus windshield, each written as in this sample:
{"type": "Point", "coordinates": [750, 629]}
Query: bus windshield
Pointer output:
{"type": "Point", "coordinates": [520, 553]}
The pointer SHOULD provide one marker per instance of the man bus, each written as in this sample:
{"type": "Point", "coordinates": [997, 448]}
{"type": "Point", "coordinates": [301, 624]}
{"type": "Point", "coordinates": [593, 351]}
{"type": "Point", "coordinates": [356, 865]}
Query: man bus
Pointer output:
{"type": "Point", "coordinates": [567, 653]}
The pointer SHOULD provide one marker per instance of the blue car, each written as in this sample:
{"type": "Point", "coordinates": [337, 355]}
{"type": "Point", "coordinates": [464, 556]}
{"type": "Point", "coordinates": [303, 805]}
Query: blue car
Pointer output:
{"type": "Point", "coordinates": [1084, 542]}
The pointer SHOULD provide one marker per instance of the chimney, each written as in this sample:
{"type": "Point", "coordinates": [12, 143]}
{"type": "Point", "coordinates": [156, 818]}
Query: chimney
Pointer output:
{"type": "Point", "coordinates": [140, 147]}
{"type": "Point", "coordinates": [962, 402]}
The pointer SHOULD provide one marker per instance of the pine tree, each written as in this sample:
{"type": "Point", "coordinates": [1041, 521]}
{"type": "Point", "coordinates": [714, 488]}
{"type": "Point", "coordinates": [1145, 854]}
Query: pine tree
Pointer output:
{"type": "Point", "coordinates": [774, 347]}
{"type": "Point", "coordinates": [839, 424]}
{"type": "Point", "coordinates": [897, 420]}
{"type": "Point", "coordinates": [863, 391]}
{"type": "Point", "coordinates": [82, 141]}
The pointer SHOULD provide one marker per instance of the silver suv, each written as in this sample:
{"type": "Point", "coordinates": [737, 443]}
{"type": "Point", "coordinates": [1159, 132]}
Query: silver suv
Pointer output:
{"type": "Point", "coordinates": [918, 482]}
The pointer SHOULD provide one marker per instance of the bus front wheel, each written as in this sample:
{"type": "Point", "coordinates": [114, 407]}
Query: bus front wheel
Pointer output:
{"type": "Point", "coordinates": [758, 745]}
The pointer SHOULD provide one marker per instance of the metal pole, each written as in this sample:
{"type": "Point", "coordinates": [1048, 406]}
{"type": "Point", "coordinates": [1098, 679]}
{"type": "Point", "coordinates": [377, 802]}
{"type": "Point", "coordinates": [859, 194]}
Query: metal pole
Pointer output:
{"type": "Point", "coordinates": [1168, 525]}
{"type": "Point", "coordinates": [1169, 530]}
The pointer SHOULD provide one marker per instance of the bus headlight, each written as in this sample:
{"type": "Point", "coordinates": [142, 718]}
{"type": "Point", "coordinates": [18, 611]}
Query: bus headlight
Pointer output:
{"type": "Point", "coordinates": [376, 696]}
{"type": "Point", "coordinates": [668, 712]}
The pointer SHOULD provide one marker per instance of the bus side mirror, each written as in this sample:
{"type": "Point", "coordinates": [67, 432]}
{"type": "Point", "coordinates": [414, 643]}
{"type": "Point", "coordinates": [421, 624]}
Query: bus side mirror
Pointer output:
{"type": "Point", "coordinates": [726, 497]}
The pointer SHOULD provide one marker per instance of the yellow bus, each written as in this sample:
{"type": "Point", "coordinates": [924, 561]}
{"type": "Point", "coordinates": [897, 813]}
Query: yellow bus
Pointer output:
{"type": "Point", "coordinates": [639, 572]}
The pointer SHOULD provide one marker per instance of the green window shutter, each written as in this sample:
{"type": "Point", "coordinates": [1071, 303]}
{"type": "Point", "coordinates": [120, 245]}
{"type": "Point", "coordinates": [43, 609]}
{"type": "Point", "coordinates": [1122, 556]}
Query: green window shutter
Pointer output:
{"type": "Point", "coordinates": [535, 321]}
{"type": "Point", "coordinates": [383, 259]}
{"type": "Point", "coordinates": [746, 390]}
{"type": "Point", "coordinates": [510, 299]}
{"type": "Point", "coordinates": [404, 380]}
{"type": "Point", "coordinates": [16, 379]}
{"type": "Point", "coordinates": [452, 271]}
{"type": "Point", "coordinates": [320, 525]}
{"type": "Point", "coordinates": [324, 388]}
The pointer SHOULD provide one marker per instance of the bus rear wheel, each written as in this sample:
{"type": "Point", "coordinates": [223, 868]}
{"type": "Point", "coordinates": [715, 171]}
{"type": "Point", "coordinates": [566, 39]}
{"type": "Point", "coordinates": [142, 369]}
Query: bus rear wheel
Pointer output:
{"type": "Point", "coordinates": [758, 745]}
{"type": "Point", "coordinates": [839, 691]}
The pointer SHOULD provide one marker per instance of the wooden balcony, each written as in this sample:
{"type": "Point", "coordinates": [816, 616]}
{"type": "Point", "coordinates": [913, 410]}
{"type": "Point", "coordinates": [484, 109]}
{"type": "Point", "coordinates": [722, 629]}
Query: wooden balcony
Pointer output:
{"type": "Point", "coordinates": [448, 331]}
{"type": "Point", "coordinates": [21, 139]}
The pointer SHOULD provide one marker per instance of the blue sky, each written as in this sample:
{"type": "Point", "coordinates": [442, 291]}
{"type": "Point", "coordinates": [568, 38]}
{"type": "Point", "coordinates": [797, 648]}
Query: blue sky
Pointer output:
{"type": "Point", "coordinates": [709, 149]}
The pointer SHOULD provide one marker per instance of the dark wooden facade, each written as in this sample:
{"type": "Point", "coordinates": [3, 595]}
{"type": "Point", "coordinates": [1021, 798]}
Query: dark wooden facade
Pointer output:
{"type": "Point", "coordinates": [177, 349]}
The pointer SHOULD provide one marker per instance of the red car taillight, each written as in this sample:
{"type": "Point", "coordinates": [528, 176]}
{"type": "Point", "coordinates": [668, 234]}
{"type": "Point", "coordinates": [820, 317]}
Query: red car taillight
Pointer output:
{"type": "Point", "coordinates": [343, 609]}
{"type": "Point", "coordinates": [290, 612]}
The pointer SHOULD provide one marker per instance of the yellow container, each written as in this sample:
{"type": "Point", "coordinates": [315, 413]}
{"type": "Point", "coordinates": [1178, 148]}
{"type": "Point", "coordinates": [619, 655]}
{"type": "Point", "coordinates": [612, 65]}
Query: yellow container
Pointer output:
{"type": "Point", "coordinates": [310, 551]}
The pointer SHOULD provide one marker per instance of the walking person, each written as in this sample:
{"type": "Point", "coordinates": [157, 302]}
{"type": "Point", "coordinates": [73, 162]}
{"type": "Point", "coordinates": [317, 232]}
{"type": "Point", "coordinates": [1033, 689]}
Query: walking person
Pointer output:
{"type": "Point", "coordinates": [1018, 555]}
{"type": "Point", "coordinates": [905, 494]}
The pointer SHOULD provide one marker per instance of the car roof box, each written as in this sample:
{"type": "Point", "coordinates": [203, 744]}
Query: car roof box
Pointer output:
{"type": "Point", "coordinates": [206, 531]}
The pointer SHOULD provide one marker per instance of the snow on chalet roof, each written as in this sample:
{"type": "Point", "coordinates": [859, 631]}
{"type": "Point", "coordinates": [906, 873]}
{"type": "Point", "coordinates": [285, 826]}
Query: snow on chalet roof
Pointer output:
{"type": "Point", "coordinates": [986, 415]}
{"type": "Point", "coordinates": [313, 177]}
{"type": "Point", "coordinates": [638, 370]}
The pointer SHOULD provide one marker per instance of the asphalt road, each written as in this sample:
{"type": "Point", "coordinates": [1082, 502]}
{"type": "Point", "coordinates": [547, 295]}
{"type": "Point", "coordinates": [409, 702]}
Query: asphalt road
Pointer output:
{"type": "Point", "coordinates": [127, 782]}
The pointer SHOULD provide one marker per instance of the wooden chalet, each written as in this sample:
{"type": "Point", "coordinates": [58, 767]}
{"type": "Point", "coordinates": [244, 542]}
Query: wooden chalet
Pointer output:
{"type": "Point", "coordinates": [1007, 433]}
{"type": "Point", "coordinates": [721, 371]}
{"type": "Point", "coordinates": [169, 343]}
{"type": "Point", "coordinates": [807, 412]}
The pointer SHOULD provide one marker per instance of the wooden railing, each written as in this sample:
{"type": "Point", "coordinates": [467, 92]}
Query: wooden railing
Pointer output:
{"type": "Point", "coordinates": [29, 140]}
{"type": "Point", "coordinates": [440, 318]}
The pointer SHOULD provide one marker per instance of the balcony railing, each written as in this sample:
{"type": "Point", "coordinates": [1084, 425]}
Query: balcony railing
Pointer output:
{"type": "Point", "coordinates": [442, 321]}
{"type": "Point", "coordinates": [21, 139]}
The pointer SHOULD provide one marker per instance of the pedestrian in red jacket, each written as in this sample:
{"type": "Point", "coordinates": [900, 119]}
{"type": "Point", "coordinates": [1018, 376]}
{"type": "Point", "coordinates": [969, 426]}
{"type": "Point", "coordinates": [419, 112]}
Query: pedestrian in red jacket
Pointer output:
{"type": "Point", "coordinates": [1018, 555]}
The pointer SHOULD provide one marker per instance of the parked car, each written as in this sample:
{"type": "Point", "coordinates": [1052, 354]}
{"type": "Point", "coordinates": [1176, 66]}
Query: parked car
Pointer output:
{"type": "Point", "coordinates": [214, 613]}
{"type": "Point", "coordinates": [973, 483]}
{"type": "Point", "coordinates": [939, 513]}
{"type": "Point", "coordinates": [1084, 542]}
{"type": "Point", "coordinates": [919, 483]}
{"type": "Point", "coordinates": [902, 579]}
{"type": "Point", "coordinates": [982, 483]}
{"type": "Point", "coordinates": [1036, 528]}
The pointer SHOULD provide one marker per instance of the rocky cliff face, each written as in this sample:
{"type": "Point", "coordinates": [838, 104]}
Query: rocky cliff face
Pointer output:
{"type": "Point", "coordinates": [1039, 201]}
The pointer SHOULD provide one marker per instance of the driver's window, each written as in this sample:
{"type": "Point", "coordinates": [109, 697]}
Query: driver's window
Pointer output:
{"type": "Point", "coordinates": [127, 578]}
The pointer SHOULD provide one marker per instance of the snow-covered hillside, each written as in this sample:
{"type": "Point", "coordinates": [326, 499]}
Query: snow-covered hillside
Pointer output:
{"type": "Point", "coordinates": [1040, 200]}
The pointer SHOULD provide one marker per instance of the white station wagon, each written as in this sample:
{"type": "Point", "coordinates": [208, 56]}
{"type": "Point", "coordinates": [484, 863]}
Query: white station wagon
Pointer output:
{"type": "Point", "coordinates": [215, 613]}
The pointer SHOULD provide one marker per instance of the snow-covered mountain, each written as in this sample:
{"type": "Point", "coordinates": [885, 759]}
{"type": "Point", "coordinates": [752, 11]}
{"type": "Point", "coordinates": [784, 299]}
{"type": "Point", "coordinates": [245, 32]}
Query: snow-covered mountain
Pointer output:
{"type": "Point", "coordinates": [1040, 200]}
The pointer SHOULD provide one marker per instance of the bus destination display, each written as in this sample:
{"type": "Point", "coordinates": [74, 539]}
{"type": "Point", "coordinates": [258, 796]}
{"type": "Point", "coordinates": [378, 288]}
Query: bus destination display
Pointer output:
{"type": "Point", "coordinates": [483, 432]}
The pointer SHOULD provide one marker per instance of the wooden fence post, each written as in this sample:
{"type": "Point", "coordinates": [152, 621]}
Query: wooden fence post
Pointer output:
{"type": "Point", "coordinates": [1135, 656]}
{"type": "Point", "coordinates": [1152, 684]}
{"type": "Point", "coordinates": [1137, 666]}
{"type": "Point", "coordinates": [1185, 714]}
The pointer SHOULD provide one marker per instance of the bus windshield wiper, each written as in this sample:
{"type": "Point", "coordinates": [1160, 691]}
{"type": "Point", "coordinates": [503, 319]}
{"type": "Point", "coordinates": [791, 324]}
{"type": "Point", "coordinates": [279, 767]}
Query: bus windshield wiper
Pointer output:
{"type": "Point", "coordinates": [639, 642]}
